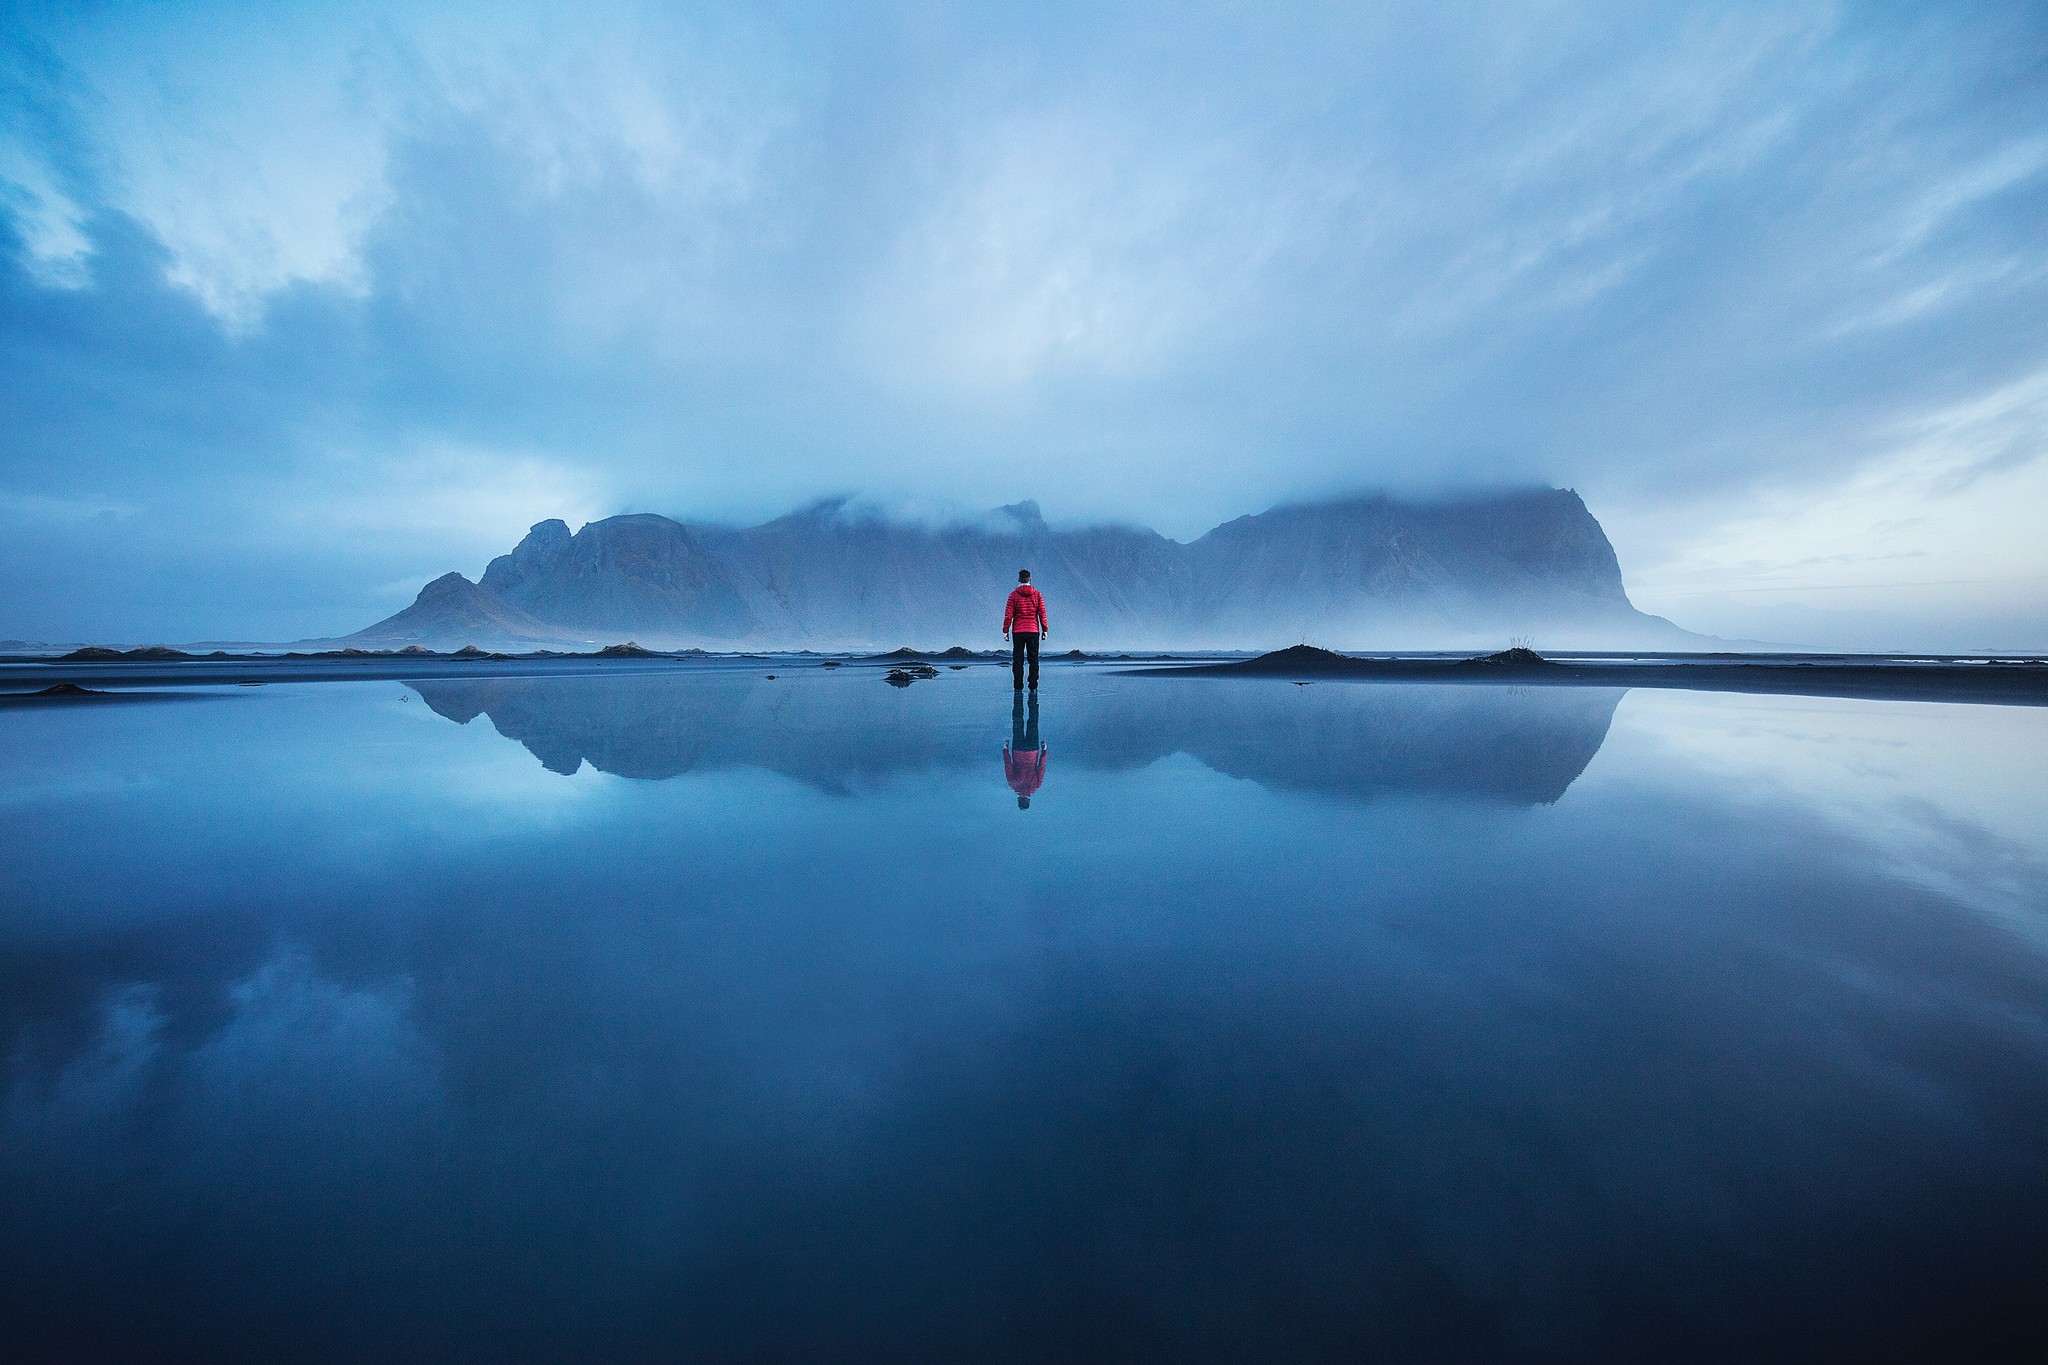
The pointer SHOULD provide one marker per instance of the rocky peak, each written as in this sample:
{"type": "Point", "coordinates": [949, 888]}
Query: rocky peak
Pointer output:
{"type": "Point", "coordinates": [1025, 515]}
{"type": "Point", "coordinates": [449, 587]}
{"type": "Point", "coordinates": [545, 545]}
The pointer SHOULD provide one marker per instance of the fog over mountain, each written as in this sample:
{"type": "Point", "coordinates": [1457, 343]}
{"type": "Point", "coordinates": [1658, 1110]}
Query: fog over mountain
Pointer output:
{"type": "Point", "coordinates": [1366, 572]}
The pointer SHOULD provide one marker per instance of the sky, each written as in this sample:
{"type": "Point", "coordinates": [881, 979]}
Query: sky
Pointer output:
{"type": "Point", "coordinates": [303, 305]}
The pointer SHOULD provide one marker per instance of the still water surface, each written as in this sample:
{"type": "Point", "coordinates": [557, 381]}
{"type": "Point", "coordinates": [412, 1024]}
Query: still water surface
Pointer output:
{"type": "Point", "coordinates": [703, 1016]}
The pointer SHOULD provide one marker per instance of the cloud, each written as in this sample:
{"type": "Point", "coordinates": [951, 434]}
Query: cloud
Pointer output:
{"type": "Point", "coordinates": [1943, 546]}
{"type": "Point", "coordinates": [1165, 267]}
{"type": "Point", "coordinates": [470, 501]}
{"type": "Point", "coordinates": [49, 224]}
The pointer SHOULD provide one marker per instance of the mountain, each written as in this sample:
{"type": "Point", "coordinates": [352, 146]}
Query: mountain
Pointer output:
{"type": "Point", "coordinates": [1372, 570]}
{"type": "Point", "coordinates": [635, 573]}
{"type": "Point", "coordinates": [827, 576]}
{"type": "Point", "coordinates": [453, 609]}
{"type": "Point", "coordinates": [1367, 572]}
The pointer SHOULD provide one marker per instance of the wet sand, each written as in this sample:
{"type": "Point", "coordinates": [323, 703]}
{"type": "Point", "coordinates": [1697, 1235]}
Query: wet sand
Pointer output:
{"type": "Point", "coordinates": [2000, 682]}
{"type": "Point", "coordinates": [2003, 682]}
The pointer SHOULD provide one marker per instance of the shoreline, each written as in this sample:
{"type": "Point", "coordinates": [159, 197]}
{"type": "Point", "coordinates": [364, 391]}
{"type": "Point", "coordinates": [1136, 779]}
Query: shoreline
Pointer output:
{"type": "Point", "coordinates": [1962, 678]}
{"type": "Point", "coordinates": [1980, 679]}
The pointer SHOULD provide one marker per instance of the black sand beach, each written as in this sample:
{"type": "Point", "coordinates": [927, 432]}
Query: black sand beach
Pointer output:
{"type": "Point", "coordinates": [1976, 679]}
{"type": "Point", "coordinates": [2002, 682]}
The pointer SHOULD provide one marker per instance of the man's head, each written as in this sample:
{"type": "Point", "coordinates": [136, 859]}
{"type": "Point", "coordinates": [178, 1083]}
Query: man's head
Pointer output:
{"type": "Point", "coordinates": [1023, 575]}
{"type": "Point", "coordinates": [1023, 803]}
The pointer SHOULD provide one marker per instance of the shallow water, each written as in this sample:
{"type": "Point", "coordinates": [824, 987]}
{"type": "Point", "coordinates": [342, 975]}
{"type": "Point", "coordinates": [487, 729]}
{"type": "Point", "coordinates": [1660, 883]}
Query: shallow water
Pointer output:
{"type": "Point", "coordinates": [703, 1016]}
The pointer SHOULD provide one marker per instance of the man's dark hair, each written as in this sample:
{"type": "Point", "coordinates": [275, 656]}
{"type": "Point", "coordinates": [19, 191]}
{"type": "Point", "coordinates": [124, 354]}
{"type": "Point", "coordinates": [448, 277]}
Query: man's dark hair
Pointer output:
{"type": "Point", "coordinates": [1023, 575]}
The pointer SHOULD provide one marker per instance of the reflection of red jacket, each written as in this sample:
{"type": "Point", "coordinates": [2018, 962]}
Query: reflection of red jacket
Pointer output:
{"type": "Point", "coordinates": [1024, 611]}
{"type": "Point", "coordinates": [1024, 769]}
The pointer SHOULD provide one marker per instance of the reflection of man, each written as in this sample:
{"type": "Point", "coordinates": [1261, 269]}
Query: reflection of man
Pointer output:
{"type": "Point", "coordinates": [1024, 614]}
{"type": "Point", "coordinates": [1024, 756]}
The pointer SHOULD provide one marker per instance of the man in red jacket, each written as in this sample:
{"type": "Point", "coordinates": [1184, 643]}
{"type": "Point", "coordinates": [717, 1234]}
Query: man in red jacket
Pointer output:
{"type": "Point", "coordinates": [1024, 627]}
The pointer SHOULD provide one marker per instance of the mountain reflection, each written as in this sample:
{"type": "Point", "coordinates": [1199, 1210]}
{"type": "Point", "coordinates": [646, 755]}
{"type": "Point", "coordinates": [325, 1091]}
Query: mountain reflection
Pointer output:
{"type": "Point", "coordinates": [837, 731]}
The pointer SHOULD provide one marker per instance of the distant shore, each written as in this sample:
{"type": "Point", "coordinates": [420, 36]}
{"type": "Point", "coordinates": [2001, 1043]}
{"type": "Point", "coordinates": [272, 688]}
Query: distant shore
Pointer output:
{"type": "Point", "coordinates": [157, 666]}
{"type": "Point", "coordinates": [2018, 681]}
{"type": "Point", "coordinates": [1920, 678]}
{"type": "Point", "coordinates": [1949, 678]}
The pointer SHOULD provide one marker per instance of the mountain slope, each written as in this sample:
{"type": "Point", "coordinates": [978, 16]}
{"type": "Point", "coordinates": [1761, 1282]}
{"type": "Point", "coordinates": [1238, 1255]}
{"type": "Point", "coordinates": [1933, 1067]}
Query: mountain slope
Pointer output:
{"type": "Point", "coordinates": [631, 573]}
{"type": "Point", "coordinates": [1364, 566]}
{"type": "Point", "coordinates": [453, 611]}
{"type": "Point", "coordinates": [826, 575]}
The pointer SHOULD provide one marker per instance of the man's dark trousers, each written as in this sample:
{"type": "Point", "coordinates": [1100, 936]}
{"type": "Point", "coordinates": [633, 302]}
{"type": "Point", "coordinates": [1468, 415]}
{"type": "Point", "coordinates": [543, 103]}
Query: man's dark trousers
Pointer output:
{"type": "Point", "coordinates": [1023, 645]}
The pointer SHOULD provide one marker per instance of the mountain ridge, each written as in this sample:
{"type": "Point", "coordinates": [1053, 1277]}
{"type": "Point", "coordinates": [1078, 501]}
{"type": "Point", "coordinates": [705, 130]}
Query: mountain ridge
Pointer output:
{"type": "Point", "coordinates": [1365, 571]}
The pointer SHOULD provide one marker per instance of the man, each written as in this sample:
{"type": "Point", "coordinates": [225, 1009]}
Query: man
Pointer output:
{"type": "Point", "coordinates": [1024, 627]}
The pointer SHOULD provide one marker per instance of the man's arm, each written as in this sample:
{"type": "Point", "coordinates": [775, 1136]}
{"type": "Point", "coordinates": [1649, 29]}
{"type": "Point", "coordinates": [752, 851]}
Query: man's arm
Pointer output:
{"type": "Point", "coordinates": [1044, 623]}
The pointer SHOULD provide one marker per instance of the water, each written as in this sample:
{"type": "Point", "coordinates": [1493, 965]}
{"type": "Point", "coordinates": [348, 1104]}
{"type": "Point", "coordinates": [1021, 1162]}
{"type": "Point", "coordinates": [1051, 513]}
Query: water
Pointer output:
{"type": "Point", "coordinates": [710, 1017]}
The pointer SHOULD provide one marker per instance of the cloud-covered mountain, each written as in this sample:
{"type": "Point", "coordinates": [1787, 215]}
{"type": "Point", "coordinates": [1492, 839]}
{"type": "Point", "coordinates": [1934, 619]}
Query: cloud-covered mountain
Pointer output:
{"type": "Point", "coordinates": [1368, 572]}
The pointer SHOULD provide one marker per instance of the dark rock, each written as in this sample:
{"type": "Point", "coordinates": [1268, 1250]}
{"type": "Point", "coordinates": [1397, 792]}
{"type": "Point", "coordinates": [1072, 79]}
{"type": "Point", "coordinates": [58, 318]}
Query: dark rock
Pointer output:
{"type": "Point", "coordinates": [1294, 660]}
{"type": "Point", "coordinates": [101, 654]}
{"type": "Point", "coordinates": [1518, 657]}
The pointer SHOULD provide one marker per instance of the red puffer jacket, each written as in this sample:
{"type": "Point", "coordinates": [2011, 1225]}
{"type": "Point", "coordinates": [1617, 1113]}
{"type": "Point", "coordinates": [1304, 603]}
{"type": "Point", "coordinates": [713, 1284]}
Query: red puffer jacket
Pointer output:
{"type": "Point", "coordinates": [1025, 611]}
